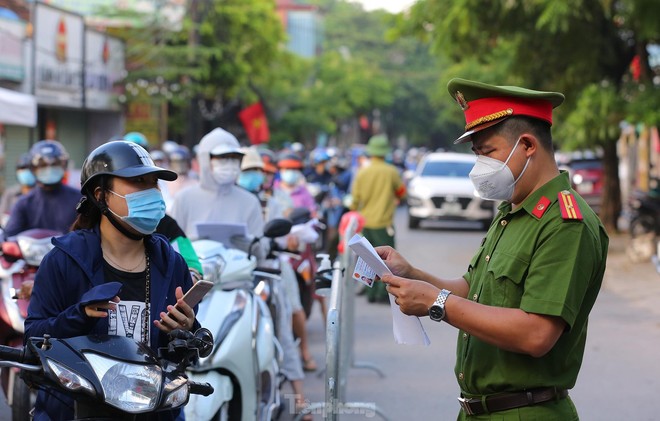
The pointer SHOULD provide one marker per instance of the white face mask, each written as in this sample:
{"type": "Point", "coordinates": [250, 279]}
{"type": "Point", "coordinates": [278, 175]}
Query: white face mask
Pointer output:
{"type": "Point", "coordinates": [225, 171]}
{"type": "Point", "coordinates": [493, 179]}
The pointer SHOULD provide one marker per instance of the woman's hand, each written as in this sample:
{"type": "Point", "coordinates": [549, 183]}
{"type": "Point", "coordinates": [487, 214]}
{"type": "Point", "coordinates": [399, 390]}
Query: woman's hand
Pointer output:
{"type": "Point", "coordinates": [178, 316]}
{"type": "Point", "coordinates": [100, 309]}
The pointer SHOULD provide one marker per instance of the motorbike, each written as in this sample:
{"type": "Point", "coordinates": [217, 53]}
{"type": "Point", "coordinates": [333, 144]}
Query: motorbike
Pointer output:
{"type": "Point", "coordinates": [113, 377]}
{"type": "Point", "coordinates": [644, 228]}
{"type": "Point", "coordinates": [244, 365]}
{"type": "Point", "coordinates": [19, 260]}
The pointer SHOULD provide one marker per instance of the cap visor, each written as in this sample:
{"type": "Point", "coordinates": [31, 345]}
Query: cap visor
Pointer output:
{"type": "Point", "coordinates": [161, 173]}
{"type": "Point", "coordinates": [466, 137]}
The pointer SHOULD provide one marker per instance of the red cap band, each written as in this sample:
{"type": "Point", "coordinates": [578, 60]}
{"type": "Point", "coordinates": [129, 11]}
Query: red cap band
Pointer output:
{"type": "Point", "coordinates": [484, 110]}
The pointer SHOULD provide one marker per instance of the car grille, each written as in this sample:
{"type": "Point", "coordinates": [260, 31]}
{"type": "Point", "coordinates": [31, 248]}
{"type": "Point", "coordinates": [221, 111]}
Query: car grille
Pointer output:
{"type": "Point", "coordinates": [439, 201]}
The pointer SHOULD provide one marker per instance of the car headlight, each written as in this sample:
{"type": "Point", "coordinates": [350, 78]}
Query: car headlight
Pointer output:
{"type": "Point", "coordinates": [414, 201]}
{"type": "Point", "coordinates": [34, 250]}
{"type": "Point", "coordinates": [133, 388]}
{"type": "Point", "coordinates": [420, 191]}
{"type": "Point", "coordinates": [69, 379]}
{"type": "Point", "coordinates": [179, 395]}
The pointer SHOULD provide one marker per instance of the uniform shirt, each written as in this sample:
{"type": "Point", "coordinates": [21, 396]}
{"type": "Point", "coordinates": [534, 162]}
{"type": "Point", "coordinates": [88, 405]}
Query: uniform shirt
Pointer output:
{"type": "Point", "coordinates": [47, 209]}
{"type": "Point", "coordinates": [375, 191]}
{"type": "Point", "coordinates": [534, 260]}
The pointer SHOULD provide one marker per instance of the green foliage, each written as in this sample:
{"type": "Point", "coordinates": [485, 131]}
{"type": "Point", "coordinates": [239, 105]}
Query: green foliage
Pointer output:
{"type": "Point", "coordinates": [546, 45]}
{"type": "Point", "coordinates": [595, 119]}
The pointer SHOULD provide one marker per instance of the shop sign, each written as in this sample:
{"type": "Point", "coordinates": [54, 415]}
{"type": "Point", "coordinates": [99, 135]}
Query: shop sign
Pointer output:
{"type": "Point", "coordinates": [58, 57]}
{"type": "Point", "coordinates": [11, 50]}
{"type": "Point", "coordinates": [105, 69]}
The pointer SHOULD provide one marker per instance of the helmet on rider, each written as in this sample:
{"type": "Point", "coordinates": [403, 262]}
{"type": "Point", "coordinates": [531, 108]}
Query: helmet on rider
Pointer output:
{"type": "Point", "coordinates": [24, 174]}
{"type": "Point", "coordinates": [320, 156]}
{"type": "Point", "coordinates": [290, 162]}
{"type": "Point", "coordinates": [120, 159]}
{"type": "Point", "coordinates": [48, 161]}
{"type": "Point", "coordinates": [137, 137]}
{"type": "Point", "coordinates": [180, 159]}
{"type": "Point", "coordinates": [251, 160]}
{"type": "Point", "coordinates": [126, 160]}
{"type": "Point", "coordinates": [159, 157]}
{"type": "Point", "coordinates": [269, 160]}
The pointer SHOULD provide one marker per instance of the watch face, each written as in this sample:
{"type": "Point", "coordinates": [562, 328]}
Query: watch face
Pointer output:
{"type": "Point", "coordinates": [436, 312]}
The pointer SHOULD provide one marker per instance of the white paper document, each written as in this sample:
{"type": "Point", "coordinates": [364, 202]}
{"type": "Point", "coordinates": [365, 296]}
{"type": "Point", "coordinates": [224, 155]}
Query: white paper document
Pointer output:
{"type": "Point", "coordinates": [220, 231]}
{"type": "Point", "coordinates": [407, 329]}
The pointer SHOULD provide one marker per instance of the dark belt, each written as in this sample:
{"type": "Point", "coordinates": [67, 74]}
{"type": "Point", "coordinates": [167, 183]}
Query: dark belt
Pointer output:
{"type": "Point", "coordinates": [504, 401]}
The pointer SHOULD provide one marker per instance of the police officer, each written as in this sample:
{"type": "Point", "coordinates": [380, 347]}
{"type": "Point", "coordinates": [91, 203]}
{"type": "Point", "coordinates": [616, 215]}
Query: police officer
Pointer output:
{"type": "Point", "coordinates": [522, 306]}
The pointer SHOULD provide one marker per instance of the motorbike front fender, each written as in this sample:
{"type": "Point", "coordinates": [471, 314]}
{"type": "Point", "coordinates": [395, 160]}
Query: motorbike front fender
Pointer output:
{"type": "Point", "coordinates": [205, 407]}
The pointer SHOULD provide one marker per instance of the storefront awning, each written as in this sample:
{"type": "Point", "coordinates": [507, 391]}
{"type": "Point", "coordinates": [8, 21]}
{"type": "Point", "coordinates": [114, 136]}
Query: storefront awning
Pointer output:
{"type": "Point", "coordinates": [17, 108]}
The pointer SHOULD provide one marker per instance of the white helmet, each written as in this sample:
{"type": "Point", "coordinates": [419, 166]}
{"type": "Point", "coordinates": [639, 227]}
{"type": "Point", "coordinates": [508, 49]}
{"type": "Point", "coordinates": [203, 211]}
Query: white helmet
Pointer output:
{"type": "Point", "coordinates": [252, 159]}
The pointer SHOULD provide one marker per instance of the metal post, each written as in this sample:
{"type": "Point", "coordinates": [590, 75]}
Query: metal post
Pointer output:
{"type": "Point", "coordinates": [339, 340]}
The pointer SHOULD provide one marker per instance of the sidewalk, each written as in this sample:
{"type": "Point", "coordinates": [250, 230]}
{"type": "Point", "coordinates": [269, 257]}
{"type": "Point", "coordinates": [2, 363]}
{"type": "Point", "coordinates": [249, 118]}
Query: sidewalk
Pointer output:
{"type": "Point", "coordinates": [636, 282]}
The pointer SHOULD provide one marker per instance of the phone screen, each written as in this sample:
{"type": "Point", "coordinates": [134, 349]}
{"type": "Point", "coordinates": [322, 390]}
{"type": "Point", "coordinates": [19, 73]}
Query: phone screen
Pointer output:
{"type": "Point", "coordinates": [195, 294]}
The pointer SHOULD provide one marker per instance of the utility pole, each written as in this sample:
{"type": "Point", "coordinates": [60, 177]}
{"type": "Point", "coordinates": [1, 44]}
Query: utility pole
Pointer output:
{"type": "Point", "coordinates": [193, 42]}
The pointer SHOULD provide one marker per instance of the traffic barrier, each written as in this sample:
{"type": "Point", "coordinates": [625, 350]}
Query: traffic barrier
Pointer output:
{"type": "Point", "coordinates": [340, 332]}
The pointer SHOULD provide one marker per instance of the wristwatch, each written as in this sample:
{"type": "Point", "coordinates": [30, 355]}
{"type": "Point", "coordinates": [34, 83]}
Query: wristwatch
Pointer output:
{"type": "Point", "coordinates": [437, 309]}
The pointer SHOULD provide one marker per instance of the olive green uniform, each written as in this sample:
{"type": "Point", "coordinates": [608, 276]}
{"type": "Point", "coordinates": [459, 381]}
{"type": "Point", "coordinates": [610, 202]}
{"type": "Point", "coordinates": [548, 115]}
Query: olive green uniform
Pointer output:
{"type": "Point", "coordinates": [534, 259]}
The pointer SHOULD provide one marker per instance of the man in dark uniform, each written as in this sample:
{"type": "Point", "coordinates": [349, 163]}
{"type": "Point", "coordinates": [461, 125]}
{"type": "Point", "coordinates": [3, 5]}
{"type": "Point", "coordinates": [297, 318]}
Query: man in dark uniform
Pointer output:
{"type": "Point", "coordinates": [522, 307]}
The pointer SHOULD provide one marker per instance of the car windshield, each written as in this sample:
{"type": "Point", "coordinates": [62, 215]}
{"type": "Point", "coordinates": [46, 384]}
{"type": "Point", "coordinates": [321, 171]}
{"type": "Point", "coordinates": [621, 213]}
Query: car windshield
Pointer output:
{"type": "Point", "coordinates": [446, 169]}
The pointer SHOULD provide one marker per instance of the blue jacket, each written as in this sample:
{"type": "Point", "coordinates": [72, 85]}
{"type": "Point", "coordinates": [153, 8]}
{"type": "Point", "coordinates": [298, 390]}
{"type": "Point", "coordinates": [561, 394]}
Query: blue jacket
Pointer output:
{"type": "Point", "coordinates": [73, 267]}
{"type": "Point", "coordinates": [48, 209]}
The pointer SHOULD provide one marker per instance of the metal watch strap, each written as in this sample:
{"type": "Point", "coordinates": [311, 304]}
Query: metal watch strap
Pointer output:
{"type": "Point", "coordinates": [442, 297]}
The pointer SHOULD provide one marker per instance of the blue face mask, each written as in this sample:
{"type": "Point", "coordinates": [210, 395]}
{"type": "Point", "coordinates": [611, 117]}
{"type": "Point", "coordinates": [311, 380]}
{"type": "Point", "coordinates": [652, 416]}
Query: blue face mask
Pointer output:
{"type": "Point", "coordinates": [251, 180]}
{"type": "Point", "coordinates": [290, 177]}
{"type": "Point", "coordinates": [51, 174]}
{"type": "Point", "coordinates": [145, 210]}
{"type": "Point", "coordinates": [25, 177]}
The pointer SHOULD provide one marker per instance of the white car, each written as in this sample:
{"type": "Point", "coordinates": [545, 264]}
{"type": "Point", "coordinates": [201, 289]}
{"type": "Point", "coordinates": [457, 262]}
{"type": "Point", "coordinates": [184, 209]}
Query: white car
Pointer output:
{"type": "Point", "coordinates": [441, 190]}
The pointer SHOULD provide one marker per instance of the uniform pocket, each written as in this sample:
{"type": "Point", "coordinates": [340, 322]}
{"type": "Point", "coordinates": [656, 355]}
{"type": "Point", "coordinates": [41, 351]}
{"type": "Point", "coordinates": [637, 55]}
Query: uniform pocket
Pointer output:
{"type": "Point", "coordinates": [475, 259]}
{"type": "Point", "coordinates": [508, 273]}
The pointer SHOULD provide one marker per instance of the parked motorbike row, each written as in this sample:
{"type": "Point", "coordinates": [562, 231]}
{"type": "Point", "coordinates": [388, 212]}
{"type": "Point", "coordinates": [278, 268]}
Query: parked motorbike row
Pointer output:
{"type": "Point", "coordinates": [644, 225]}
{"type": "Point", "coordinates": [236, 356]}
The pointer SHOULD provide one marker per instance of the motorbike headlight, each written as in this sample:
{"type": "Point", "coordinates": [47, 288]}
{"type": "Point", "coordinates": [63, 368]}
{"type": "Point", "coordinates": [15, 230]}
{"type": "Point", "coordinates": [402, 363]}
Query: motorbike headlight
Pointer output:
{"type": "Point", "coordinates": [178, 396]}
{"type": "Point", "coordinates": [130, 387]}
{"type": "Point", "coordinates": [213, 268]}
{"type": "Point", "coordinates": [34, 250]}
{"type": "Point", "coordinates": [69, 379]}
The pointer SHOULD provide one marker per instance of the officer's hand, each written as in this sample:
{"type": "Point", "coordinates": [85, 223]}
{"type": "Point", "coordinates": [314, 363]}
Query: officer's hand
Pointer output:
{"type": "Point", "coordinates": [178, 316]}
{"type": "Point", "coordinates": [413, 297]}
{"type": "Point", "coordinates": [100, 308]}
{"type": "Point", "coordinates": [394, 261]}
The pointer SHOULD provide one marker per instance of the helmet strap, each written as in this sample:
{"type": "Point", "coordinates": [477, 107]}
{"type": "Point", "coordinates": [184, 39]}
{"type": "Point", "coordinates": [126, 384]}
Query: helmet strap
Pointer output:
{"type": "Point", "coordinates": [105, 210]}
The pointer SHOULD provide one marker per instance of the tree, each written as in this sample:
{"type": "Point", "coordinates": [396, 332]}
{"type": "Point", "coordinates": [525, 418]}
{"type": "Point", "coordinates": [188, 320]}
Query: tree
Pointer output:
{"type": "Point", "coordinates": [582, 48]}
{"type": "Point", "coordinates": [211, 60]}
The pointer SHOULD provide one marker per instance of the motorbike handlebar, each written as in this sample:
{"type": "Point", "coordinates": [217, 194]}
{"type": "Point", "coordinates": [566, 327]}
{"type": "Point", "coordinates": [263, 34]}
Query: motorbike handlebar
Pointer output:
{"type": "Point", "coordinates": [203, 389]}
{"type": "Point", "coordinates": [8, 353]}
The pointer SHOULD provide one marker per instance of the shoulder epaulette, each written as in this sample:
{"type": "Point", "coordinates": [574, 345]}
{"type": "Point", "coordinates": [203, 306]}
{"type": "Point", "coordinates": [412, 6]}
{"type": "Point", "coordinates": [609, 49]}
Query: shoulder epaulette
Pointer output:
{"type": "Point", "coordinates": [568, 206]}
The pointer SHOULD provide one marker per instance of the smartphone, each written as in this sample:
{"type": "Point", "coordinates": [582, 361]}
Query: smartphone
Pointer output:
{"type": "Point", "coordinates": [196, 293]}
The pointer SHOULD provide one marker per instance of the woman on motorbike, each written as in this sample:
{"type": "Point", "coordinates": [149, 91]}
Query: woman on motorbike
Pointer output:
{"type": "Point", "coordinates": [111, 240]}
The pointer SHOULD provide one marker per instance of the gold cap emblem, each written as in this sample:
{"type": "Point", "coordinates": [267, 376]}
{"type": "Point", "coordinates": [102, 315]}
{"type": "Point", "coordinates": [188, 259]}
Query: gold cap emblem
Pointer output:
{"type": "Point", "coordinates": [460, 99]}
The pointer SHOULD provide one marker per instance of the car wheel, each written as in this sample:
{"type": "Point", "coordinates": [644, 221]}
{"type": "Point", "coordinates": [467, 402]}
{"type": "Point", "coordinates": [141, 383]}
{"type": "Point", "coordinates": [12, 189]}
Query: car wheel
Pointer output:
{"type": "Point", "coordinates": [413, 223]}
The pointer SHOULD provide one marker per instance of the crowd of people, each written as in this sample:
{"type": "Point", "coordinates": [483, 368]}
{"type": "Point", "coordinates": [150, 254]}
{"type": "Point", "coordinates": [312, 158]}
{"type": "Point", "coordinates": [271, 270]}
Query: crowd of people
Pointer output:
{"type": "Point", "coordinates": [130, 189]}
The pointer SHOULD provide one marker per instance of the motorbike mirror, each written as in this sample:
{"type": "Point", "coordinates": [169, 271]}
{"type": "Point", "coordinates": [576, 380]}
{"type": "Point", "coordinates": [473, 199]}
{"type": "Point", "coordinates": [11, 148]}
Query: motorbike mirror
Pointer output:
{"type": "Point", "coordinates": [277, 227]}
{"type": "Point", "coordinates": [204, 339]}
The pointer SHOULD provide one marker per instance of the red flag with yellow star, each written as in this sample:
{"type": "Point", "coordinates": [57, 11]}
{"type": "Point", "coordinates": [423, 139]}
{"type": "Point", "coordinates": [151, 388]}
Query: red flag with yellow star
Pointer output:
{"type": "Point", "coordinates": [255, 123]}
